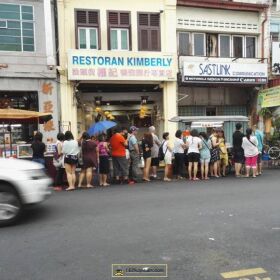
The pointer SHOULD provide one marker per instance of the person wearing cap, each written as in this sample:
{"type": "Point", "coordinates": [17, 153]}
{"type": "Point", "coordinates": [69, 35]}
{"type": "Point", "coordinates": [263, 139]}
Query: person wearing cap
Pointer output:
{"type": "Point", "coordinates": [154, 152]}
{"type": "Point", "coordinates": [134, 155]}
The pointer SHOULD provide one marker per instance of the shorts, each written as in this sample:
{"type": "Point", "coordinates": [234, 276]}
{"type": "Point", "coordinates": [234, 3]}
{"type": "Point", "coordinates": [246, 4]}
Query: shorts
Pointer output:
{"type": "Point", "coordinates": [72, 160]}
{"type": "Point", "coordinates": [251, 162]}
{"type": "Point", "coordinates": [104, 167]}
{"type": "Point", "coordinates": [204, 160]}
{"type": "Point", "coordinates": [193, 157]}
{"type": "Point", "coordinates": [238, 157]}
{"type": "Point", "coordinates": [259, 158]}
{"type": "Point", "coordinates": [155, 161]}
{"type": "Point", "coordinates": [120, 165]}
{"type": "Point", "coordinates": [168, 158]}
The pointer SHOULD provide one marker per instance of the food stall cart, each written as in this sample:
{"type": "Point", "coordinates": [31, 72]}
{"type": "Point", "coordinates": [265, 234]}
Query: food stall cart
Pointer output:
{"type": "Point", "coordinates": [207, 123]}
{"type": "Point", "coordinates": [11, 145]}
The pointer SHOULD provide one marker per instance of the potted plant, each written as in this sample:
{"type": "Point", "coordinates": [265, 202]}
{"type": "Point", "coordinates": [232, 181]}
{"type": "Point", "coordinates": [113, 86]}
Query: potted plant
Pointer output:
{"type": "Point", "coordinates": [266, 113]}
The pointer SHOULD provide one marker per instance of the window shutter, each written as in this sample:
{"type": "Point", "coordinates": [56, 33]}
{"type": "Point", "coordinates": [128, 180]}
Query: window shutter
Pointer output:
{"type": "Point", "coordinates": [81, 17]}
{"type": "Point", "coordinates": [144, 40]}
{"type": "Point", "coordinates": [143, 20]}
{"type": "Point", "coordinates": [154, 20]}
{"type": "Point", "coordinates": [124, 19]}
{"type": "Point", "coordinates": [87, 18]}
{"type": "Point", "coordinates": [113, 18]}
{"type": "Point", "coordinates": [93, 17]}
{"type": "Point", "coordinates": [155, 44]}
{"type": "Point", "coordinates": [149, 32]}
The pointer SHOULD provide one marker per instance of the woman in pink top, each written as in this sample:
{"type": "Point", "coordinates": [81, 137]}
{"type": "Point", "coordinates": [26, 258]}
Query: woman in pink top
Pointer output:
{"type": "Point", "coordinates": [104, 167]}
{"type": "Point", "coordinates": [250, 147]}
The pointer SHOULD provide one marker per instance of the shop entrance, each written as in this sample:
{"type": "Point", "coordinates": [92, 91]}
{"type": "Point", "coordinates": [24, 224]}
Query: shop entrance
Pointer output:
{"type": "Point", "coordinates": [126, 104]}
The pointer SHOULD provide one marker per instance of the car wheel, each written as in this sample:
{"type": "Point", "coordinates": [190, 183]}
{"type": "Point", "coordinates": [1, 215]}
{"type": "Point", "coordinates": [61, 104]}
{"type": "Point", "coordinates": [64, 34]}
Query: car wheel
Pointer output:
{"type": "Point", "coordinates": [10, 205]}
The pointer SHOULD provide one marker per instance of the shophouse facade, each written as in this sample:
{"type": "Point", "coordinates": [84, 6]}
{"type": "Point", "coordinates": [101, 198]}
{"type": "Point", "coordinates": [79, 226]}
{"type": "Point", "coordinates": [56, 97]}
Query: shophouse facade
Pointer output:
{"type": "Point", "coordinates": [274, 69]}
{"type": "Point", "coordinates": [117, 58]}
{"type": "Point", "coordinates": [223, 47]}
{"type": "Point", "coordinates": [28, 63]}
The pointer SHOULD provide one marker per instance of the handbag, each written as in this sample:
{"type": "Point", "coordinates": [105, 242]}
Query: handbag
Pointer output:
{"type": "Point", "coordinates": [57, 160]}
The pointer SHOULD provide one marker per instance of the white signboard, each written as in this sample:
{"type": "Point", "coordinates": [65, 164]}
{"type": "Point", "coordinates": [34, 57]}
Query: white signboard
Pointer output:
{"type": "Point", "coordinates": [113, 65]}
{"type": "Point", "coordinates": [276, 58]}
{"type": "Point", "coordinates": [227, 73]}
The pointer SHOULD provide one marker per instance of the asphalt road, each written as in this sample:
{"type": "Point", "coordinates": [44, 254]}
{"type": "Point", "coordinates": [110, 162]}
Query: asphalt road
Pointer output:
{"type": "Point", "coordinates": [200, 229]}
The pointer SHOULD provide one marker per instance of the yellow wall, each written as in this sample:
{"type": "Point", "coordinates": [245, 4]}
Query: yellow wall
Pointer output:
{"type": "Point", "coordinates": [66, 23]}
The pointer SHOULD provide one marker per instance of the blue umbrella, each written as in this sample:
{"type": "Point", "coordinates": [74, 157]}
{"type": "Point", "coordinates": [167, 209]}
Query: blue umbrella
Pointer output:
{"type": "Point", "coordinates": [100, 127]}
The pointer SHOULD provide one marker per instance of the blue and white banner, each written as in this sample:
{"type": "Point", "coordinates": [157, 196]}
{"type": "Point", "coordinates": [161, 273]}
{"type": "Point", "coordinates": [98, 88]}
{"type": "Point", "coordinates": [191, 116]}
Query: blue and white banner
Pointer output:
{"type": "Point", "coordinates": [233, 73]}
{"type": "Point", "coordinates": [116, 65]}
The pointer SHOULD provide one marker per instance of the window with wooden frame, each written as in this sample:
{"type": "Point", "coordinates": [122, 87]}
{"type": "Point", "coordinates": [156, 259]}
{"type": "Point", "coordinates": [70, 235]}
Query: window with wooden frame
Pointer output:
{"type": "Point", "coordinates": [119, 30]}
{"type": "Point", "coordinates": [224, 45]}
{"type": "Point", "coordinates": [198, 44]}
{"type": "Point", "coordinates": [87, 29]}
{"type": "Point", "coordinates": [251, 50]}
{"type": "Point", "coordinates": [149, 32]}
{"type": "Point", "coordinates": [184, 43]}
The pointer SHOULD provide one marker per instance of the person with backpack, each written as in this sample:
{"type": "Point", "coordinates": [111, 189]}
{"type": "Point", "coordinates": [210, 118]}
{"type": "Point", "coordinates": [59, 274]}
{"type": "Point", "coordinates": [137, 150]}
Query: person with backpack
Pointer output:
{"type": "Point", "coordinates": [165, 153]}
{"type": "Point", "coordinates": [205, 155]}
{"type": "Point", "coordinates": [250, 147]}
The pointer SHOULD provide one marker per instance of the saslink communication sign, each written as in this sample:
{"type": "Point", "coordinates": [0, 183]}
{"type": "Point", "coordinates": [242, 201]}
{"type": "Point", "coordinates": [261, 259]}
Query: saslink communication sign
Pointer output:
{"type": "Point", "coordinates": [236, 73]}
{"type": "Point", "coordinates": [111, 65]}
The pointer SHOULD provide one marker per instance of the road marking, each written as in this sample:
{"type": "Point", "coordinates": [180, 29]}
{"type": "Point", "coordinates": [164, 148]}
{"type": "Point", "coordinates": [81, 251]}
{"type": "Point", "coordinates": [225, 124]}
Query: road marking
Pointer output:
{"type": "Point", "coordinates": [242, 273]}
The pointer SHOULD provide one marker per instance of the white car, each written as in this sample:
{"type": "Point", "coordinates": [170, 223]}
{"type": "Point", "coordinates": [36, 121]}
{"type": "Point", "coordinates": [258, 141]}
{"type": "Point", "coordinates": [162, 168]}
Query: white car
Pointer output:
{"type": "Point", "coordinates": [22, 183]}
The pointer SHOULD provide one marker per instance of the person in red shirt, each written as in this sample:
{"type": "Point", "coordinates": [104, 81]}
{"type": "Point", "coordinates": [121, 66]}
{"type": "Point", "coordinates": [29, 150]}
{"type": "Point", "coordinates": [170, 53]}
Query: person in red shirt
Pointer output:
{"type": "Point", "coordinates": [120, 164]}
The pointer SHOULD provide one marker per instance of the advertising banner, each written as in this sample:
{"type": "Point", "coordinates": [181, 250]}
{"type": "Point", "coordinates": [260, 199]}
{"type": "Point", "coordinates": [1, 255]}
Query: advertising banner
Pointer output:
{"type": "Point", "coordinates": [225, 73]}
{"type": "Point", "coordinates": [269, 97]}
{"type": "Point", "coordinates": [276, 58]}
{"type": "Point", "coordinates": [114, 65]}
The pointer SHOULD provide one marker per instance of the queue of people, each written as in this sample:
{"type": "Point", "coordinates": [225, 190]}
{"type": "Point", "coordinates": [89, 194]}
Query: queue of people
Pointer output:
{"type": "Point", "coordinates": [193, 155]}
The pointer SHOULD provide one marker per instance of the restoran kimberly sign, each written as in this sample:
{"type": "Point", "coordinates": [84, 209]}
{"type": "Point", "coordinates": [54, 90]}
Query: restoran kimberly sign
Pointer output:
{"type": "Point", "coordinates": [112, 65]}
{"type": "Point", "coordinates": [225, 73]}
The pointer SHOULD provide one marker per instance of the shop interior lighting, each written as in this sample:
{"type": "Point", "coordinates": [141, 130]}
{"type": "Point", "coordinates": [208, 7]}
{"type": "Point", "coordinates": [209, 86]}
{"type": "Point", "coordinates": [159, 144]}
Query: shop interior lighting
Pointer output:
{"type": "Point", "coordinates": [144, 99]}
{"type": "Point", "coordinates": [98, 100]}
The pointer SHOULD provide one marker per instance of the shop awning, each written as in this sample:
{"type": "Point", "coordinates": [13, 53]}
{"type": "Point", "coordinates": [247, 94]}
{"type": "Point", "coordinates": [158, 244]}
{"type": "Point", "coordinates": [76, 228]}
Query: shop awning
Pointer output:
{"type": "Point", "coordinates": [209, 119]}
{"type": "Point", "coordinates": [15, 115]}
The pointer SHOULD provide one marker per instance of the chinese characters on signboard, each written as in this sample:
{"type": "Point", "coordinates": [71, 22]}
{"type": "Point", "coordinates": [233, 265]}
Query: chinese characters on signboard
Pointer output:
{"type": "Point", "coordinates": [48, 106]}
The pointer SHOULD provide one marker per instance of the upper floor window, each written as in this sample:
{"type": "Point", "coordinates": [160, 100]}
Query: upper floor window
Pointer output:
{"type": "Point", "coordinates": [119, 30]}
{"type": "Point", "coordinates": [274, 31]}
{"type": "Point", "coordinates": [217, 45]}
{"type": "Point", "coordinates": [199, 44]}
{"type": "Point", "coordinates": [250, 46]}
{"type": "Point", "coordinates": [87, 29]}
{"type": "Point", "coordinates": [149, 32]}
{"type": "Point", "coordinates": [238, 46]}
{"type": "Point", "coordinates": [224, 45]}
{"type": "Point", "coordinates": [184, 43]}
{"type": "Point", "coordinates": [16, 28]}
